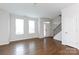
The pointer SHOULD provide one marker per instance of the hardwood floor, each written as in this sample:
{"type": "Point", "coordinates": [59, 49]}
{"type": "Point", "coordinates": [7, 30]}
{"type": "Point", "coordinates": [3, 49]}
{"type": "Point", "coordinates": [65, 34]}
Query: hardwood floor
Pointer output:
{"type": "Point", "coordinates": [46, 46]}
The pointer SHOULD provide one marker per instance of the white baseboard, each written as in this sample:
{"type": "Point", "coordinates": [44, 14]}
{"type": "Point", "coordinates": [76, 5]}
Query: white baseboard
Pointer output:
{"type": "Point", "coordinates": [72, 45]}
{"type": "Point", "coordinates": [4, 43]}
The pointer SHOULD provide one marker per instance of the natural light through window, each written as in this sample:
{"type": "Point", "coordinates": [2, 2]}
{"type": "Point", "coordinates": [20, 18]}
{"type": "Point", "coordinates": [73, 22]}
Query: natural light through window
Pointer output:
{"type": "Point", "coordinates": [31, 26]}
{"type": "Point", "coordinates": [19, 26]}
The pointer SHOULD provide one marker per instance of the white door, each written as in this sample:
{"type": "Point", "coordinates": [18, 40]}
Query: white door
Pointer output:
{"type": "Point", "coordinates": [46, 29]}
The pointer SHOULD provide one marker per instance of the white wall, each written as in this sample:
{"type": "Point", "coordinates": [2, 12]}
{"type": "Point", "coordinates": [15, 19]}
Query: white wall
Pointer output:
{"type": "Point", "coordinates": [7, 30]}
{"type": "Point", "coordinates": [38, 28]}
{"type": "Point", "coordinates": [4, 27]}
{"type": "Point", "coordinates": [26, 34]}
{"type": "Point", "coordinates": [70, 26]}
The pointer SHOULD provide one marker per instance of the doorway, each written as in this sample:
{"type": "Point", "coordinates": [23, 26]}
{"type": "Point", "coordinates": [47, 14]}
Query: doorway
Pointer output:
{"type": "Point", "coordinates": [46, 29]}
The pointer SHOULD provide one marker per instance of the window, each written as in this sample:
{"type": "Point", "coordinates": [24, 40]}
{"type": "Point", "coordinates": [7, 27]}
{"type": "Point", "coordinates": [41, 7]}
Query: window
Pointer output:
{"type": "Point", "coordinates": [19, 26]}
{"type": "Point", "coordinates": [31, 26]}
{"type": "Point", "coordinates": [47, 22]}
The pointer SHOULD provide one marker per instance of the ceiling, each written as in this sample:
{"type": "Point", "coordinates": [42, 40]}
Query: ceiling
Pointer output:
{"type": "Point", "coordinates": [43, 10]}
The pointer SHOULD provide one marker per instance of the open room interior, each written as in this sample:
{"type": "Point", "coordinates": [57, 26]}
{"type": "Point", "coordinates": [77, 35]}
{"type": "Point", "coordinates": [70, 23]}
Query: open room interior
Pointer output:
{"type": "Point", "coordinates": [39, 28]}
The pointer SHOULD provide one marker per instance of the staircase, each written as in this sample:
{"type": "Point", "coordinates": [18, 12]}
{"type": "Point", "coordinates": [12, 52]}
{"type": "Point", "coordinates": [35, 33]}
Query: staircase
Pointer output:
{"type": "Point", "coordinates": [57, 33]}
{"type": "Point", "coordinates": [57, 29]}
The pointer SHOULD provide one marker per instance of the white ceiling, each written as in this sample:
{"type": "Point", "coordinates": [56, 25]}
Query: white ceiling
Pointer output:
{"type": "Point", "coordinates": [44, 10]}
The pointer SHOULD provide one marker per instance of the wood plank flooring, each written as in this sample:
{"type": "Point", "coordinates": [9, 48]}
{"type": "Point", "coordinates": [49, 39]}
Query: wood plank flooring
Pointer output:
{"type": "Point", "coordinates": [46, 46]}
